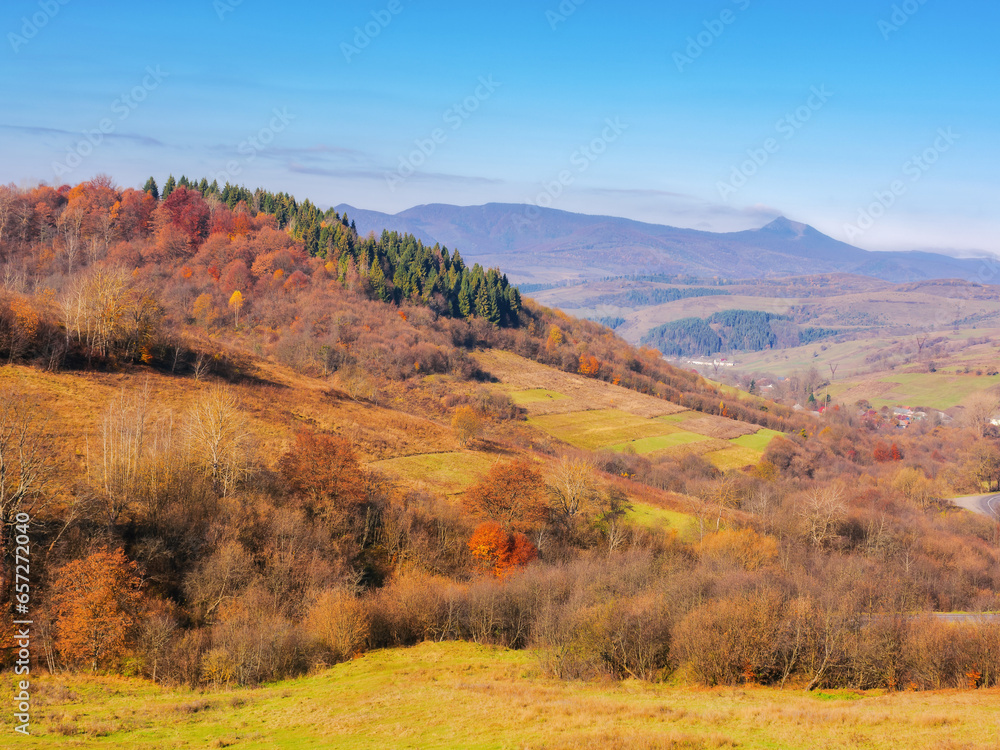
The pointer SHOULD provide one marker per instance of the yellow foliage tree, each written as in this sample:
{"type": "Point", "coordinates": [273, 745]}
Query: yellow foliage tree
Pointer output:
{"type": "Point", "coordinates": [555, 338]}
{"type": "Point", "coordinates": [236, 302]}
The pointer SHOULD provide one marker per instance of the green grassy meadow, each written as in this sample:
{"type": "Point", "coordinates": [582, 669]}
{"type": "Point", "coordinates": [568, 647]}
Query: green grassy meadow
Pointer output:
{"type": "Point", "coordinates": [461, 695]}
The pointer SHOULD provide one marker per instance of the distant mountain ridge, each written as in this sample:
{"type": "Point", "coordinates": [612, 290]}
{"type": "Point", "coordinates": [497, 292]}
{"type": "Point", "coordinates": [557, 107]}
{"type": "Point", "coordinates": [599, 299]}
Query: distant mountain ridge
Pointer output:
{"type": "Point", "coordinates": [541, 245]}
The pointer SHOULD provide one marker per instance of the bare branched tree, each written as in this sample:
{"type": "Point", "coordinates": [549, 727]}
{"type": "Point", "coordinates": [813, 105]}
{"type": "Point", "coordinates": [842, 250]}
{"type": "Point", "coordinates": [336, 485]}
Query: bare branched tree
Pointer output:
{"type": "Point", "coordinates": [821, 510]}
{"type": "Point", "coordinates": [124, 432]}
{"type": "Point", "coordinates": [572, 488]}
{"type": "Point", "coordinates": [25, 463]}
{"type": "Point", "coordinates": [217, 436]}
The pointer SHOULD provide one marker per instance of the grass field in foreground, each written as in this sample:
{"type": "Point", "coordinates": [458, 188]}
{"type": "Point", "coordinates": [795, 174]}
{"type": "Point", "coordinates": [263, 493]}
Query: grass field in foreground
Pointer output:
{"type": "Point", "coordinates": [459, 695]}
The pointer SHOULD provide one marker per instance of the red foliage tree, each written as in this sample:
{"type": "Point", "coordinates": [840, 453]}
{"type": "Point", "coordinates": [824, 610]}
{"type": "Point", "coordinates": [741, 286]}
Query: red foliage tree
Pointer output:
{"type": "Point", "coordinates": [882, 453]}
{"type": "Point", "coordinates": [324, 471]}
{"type": "Point", "coordinates": [500, 551]}
{"type": "Point", "coordinates": [187, 210]}
{"type": "Point", "coordinates": [132, 214]}
{"type": "Point", "coordinates": [512, 494]}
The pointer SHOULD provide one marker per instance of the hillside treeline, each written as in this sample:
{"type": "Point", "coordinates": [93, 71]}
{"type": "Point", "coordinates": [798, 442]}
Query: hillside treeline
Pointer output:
{"type": "Point", "coordinates": [169, 542]}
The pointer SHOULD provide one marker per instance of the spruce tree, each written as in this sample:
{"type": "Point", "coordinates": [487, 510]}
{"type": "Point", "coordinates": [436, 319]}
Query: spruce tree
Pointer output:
{"type": "Point", "coordinates": [151, 188]}
{"type": "Point", "coordinates": [168, 187]}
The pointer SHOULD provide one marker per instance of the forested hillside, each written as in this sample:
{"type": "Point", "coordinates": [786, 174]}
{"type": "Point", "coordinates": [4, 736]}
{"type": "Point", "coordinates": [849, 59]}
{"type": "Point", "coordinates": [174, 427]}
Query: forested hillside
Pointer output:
{"type": "Point", "coordinates": [731, 331]}
{"type": "Point", "coordinates": [252, 444]}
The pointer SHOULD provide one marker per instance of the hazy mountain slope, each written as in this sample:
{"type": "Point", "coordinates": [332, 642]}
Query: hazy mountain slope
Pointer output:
{"type": "Point", "coordinates": [540, 245]}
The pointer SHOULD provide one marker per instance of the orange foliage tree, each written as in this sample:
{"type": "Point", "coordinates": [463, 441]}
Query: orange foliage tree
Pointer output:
{"type": "Point", "coordinates": [96, 604]}
{"type": "Point", "coordinates": [325, 472]}
{"type": "Point", "coordinates": [512, 494]}
{"type": "Point", "coordinates": [589, 365]}
{"type": "Point", "coordinates": [499, 550]}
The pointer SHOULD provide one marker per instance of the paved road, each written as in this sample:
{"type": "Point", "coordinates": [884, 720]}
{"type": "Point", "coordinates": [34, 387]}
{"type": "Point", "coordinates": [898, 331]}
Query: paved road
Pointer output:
{"type": "Point", "coordinates": [987, 505]}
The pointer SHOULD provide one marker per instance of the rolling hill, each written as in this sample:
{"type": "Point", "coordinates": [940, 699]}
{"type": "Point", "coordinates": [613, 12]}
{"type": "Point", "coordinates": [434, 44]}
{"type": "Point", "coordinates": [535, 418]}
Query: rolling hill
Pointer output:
{"type": "Point", "coordinates": [542, 245]}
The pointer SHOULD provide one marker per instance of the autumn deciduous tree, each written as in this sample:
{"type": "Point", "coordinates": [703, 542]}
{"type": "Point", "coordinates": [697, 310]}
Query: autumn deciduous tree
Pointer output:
{"type": "Point", "coordinates": [555, 338]}
{"type": "Point", "coordinates": [572, 488]}
{"type": "Point", "coordinates": [744, 547]}
{"type": "Point", "coordinates": [882, 452]}
{"type": "Point", "coordinates": [500, 551]}
{"type": "Point", "coordinates": [324, 470]}
{"type": "Point", "coordinates": [18, 326]}
{"type": "Point", "coordinates": [236, 303]}
{"type": "Point", "coordinates": [25, 459]}
{"type": "Point", "coordinates": [120, 468]}
{"type": "Point", "coordinates": [95, 602]}
{"type": "Point", "coordinates": [217, 436]}
{"type": "Point", "coordinates": [589, 365]}
{"type": "Point", "coordinates": [339, 623]}
{"type": "Point", "coordinates": [512, 494]}
{"type": "Point", "coordinates": [467, 425]}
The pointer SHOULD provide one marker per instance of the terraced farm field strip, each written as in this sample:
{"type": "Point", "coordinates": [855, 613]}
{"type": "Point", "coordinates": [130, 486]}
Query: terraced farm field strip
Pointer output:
{"type": "Point", "coordinates": [758, 441]}
{"type": "Point", "coordinates": [536, 395]}
{"type": "Point", "coordinates": [680, 417]}
{"type": "Point", "coordinates": [600, 428]}
{"type": "Point", "coordinates": [449, 472]}
{"type": "Point", "coordinates": [661, 442]}
{"type": "Point", "coordinates": [735, 457]}
{"type": "Point", "coordinates": [519, 375]}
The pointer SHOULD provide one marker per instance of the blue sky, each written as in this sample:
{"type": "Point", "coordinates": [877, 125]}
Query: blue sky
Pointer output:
{"type": "Point", "coordinates": [716, 115]}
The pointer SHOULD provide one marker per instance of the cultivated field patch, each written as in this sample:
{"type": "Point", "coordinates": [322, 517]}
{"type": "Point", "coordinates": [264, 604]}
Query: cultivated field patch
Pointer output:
{"type": "Point", "coordinates": [449, 472]}
{"type": "Point", "coordinates": [735, 457]}
{"type": "Point", "coordinates": [600, 428]}
{"type": "Point", "coordinates": [535, 396]}
{"type": "Point", "coordinates": [660, 442]}
{"type": "Point", "coordinates": [519, 375]}
{"type": "Point", "coordinates": [758, 441]}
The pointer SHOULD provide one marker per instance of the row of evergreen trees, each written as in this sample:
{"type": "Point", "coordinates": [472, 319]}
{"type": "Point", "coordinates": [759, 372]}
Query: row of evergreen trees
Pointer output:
{"type": "Point", "coordinates": [397, 266]}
